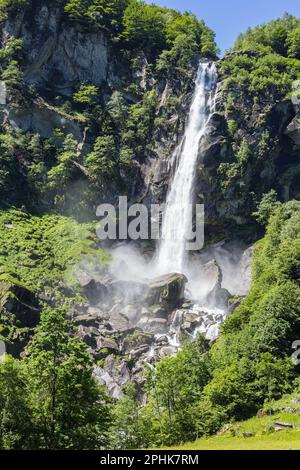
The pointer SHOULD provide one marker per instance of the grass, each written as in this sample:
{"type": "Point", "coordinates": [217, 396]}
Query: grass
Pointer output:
{"type": "Point", "coordinates": [284, 440]}
{"type": "Point", "coordinates": [264, 437]}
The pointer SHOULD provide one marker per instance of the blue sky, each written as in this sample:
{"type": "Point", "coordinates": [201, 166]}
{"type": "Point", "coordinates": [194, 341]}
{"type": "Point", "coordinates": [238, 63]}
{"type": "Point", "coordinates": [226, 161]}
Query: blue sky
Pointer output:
{"type": "Point", "coordinates": [228, 18]}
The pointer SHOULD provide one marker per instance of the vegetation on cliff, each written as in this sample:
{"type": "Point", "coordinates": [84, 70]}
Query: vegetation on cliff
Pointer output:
{"type": "Point", "coordinates": [258, 77]}
{"type": "Point", "coordinates": [150, 44]}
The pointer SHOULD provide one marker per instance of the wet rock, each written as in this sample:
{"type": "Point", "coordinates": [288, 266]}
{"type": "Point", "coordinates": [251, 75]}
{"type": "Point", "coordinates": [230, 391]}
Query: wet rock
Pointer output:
{"type": "Point", "coordinates": [137, 353]}
{"type": "Point", "coordinates": [212, 333]}
{"type": "Point", "coordinates": [293, 131]}
{"type": "Point", "coordinates": [190, 322]}
{"type": "Point", "coordinates": [132, 312]}
{"type": "Point", "coordinates": [107, 343]}
{"type": "Point", "coordinates": [87, 320]}
{"type": "Point", "coordinates": [167, 290]}
{"type": "Point", "coordinates": [88, 335]}
{"type": "Point", "coordinates": [218, 298]}
{"type": "Point", "coordinates": [119, 322]}
{"type": "Point", "coordinates": [114, 375]}
{"type": "Point", "coordinates": [105, 379]}
{"type": "Point", "coordinates": [136, 339]}
{"type": "Point", "coordinates": [153, 325]}
{"type": "Point", "coordinates": [95, 291]}
{"type": "Point", "coordinates": [167, 351]}
{"type": "Point", "coordinates": [158, 311]}
{"type": "Point", "coordinates": [214, 144]}
{"type": "Point", "coordinates": [162, 340]}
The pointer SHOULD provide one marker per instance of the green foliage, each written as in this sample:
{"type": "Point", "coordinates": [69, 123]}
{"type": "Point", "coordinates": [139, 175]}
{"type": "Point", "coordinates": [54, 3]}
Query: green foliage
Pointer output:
{"type": "Point", "coordinates": [102, 162]}
{"type": "Point", "coordinates": [12, 49]}
{"type": "Point", "coordinates": [105, 14]}
{"type": "Point", "coordinates": [41, 251]}
{"type": "Point", "coordinates": [175, 387]}
{"type": "Point", "coordinates": [86, 95]}
{"type": "Point", "coordinates": [15, 414]}
{"type": "Point", "coordinates": [69, 410]}
{"type": "Point", "coordinates": [12, 75]}
{"type": "Point", "coordinates": [144, 26]}
{"type": "Point", "coordinates": [293, 43]}
{"type": "Point", "coordinates": [266, 206]}
{"type": "Point", "coordinates": [129, 426]}
{"type": "Point", "coordinates": [61, 174]}
{"type": "Point", "coordinates": [275, 36]}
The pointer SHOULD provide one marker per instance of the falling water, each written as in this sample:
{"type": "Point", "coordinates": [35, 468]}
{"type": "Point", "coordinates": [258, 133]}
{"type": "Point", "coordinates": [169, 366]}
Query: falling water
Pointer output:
{"type": "Point", "coordinates": [177, 218]}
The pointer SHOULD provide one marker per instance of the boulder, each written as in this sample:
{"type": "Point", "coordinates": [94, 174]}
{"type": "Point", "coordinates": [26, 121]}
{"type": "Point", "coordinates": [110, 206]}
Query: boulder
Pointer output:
{"type": "Point", "coordinates": [118, 321]}
{"type": "Point", "coordinates": [218, 297]}
{"type": "Point", "coordinates": [19, 303]}
{"type": "Point", "coordinates": [95, 291]}
{"type": "Point", "coordinates": [107, 343]}
{"type": "Point", "coordinates": [167, 351]}
{"type": "Point", "coordinates": [167, 290]}
{"type": "Point", "coordinates": [212, 273]}
{"type": "Point", "coordinates": [293, 131]}
{"type": "Point", "coordinates": [88, 335]}
{"type": "Point", "coordinates": [153, 325]}
{"type": "Point", "coordinates": [87, 320]}
{"type": "Point", "coordinates": [136, 340]}
{"type": "Point", "coordinates": [137, 353]}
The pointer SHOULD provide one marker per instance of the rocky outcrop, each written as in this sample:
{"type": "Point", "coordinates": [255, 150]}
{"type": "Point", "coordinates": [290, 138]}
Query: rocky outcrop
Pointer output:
{"type": "Point", "coordinates": [58, 52]}
{"type": "Point", "coordinates": [166, 290]}
{"type": "Point", "coordinates": [19, 315]}
{"type": "Point", "coordinates": [39, 117]}
{"type": "Point", "coordinates": [293, 131]}
{"type": "Point", "coordinates": [19, 304]}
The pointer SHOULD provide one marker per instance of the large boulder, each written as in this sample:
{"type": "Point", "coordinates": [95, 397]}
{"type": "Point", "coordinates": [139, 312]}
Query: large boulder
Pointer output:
{"type": "Point", "coordinates": [19, 314]}
{"type": "Point", "coordinates": [293, 131]}
{"type": "Point", "coordinates": [218, 297]}
{"type": "Point", "coordinates": [167, 290]}
{"type": "Point", "coordinates": [19, 304]}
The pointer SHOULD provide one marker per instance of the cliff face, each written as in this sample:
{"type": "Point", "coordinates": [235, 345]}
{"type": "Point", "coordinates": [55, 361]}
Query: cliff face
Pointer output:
{"type": "Point", "coordinates": [59, 57]}
{"type": "Point", "coordinates": [231, 194]}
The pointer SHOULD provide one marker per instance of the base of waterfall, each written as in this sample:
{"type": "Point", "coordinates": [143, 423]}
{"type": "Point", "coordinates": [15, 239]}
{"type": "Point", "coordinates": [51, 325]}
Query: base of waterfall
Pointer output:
{"type": "Point", "coordinates": [131, 319]}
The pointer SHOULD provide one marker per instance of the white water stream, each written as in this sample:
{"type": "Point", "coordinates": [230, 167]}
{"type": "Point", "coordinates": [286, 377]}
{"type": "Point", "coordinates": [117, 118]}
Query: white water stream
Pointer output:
{"type": "Point", "coordinates": [172, 254]}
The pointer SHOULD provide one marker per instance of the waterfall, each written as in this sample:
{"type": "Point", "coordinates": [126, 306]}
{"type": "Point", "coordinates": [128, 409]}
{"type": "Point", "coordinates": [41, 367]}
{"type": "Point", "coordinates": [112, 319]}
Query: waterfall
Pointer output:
{"type": "Point", "coordinates": [177, 218]}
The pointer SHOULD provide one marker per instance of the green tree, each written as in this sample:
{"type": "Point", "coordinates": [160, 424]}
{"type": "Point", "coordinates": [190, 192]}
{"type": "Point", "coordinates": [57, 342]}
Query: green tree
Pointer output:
{"type": "Point", "coordinates": [293, 43]}
{"type": "Point", "coordinates": [69, 410]}
{"type": "Point", "coordinates": [266, 207]}
{"type": "Point", "coordinates": [127, 431]}
{"type": "Point", "coordinates": [15, 415]}
{"type": "Point", "coordinates": [175, 387]}
{"type": "Point", "coordinates": [102, 162]}
{"type": "Point", "coordinates": [86, 95]}
{"type": "Point", "coordinates": [144, 27]}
